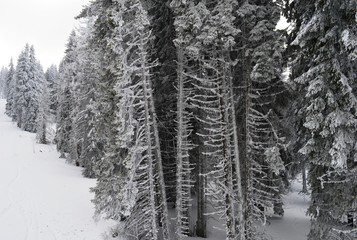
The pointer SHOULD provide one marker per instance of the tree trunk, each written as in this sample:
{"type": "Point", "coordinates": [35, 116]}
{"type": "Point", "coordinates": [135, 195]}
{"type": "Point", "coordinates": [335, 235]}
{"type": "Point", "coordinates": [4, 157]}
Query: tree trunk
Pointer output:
{"type": "Point", "coordinates": [236, 162]}
{"type": "Point", "coordinates": [183, 186]}
{"type": "Point", "coordinates": [304, 180]}
{"type": "Point", "coordinates": [201, 227]}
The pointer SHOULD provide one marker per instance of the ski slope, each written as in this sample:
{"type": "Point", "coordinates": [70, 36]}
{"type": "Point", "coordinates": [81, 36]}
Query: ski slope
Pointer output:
{"type": "Point", "coordinates": [42, 197]}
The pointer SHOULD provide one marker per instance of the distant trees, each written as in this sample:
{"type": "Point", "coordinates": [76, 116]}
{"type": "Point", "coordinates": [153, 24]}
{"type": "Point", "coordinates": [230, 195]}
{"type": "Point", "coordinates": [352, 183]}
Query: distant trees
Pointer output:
{"type": "Point", "coordinates": [10, 92]}
{"type": "Point", "coordinates": [3, 83]}
{"type": "Point", "coordinates": [24, 90]}
{"type": "Point", "coordinates": [52, 77]}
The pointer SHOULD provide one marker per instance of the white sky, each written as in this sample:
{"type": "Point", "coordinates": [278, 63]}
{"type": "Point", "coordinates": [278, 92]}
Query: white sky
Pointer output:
{"type": "Point", "coordinates": [46, 24]}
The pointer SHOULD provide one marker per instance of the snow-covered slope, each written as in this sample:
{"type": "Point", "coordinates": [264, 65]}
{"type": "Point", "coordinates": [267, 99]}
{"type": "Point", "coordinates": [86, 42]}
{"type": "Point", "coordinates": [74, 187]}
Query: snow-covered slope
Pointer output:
{"type": "Point", "coordinates": [41, 197]}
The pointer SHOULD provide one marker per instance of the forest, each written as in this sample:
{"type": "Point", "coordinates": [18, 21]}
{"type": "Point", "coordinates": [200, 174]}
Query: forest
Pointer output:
{"type": "Point", "coordinates": [189, 110]}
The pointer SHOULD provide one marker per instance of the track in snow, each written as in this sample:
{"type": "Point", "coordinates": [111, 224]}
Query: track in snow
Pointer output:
{"type": "Point", "coordinates": [294, 225]}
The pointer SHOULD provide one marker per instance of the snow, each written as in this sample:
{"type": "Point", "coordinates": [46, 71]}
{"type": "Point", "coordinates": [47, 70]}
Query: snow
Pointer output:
{"type": "Point", "coordinates": [42, 197]}
{"type": "Point", "coordinates": [294, 225]}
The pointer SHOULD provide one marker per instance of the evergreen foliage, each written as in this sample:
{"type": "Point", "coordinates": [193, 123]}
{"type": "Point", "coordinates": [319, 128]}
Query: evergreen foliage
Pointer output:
{"type": "Point", "coordinates": [323, 50]}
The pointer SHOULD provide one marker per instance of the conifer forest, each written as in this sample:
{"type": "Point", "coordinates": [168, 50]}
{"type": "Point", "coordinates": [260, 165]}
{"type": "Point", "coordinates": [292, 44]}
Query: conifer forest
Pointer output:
{"type": "Point", "coordinates": [186, 111]}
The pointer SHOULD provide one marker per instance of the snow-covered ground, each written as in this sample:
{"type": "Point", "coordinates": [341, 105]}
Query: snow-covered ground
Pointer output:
{"type": "Point", "coordinates": [41, 197]}
{"type": "Point", "coordinates": [294, 225]}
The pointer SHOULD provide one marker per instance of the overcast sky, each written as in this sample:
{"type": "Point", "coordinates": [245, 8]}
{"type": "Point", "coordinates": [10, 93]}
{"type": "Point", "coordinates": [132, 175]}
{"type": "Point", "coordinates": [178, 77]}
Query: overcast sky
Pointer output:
{"type": "Point", "coordinates": [44, 23]}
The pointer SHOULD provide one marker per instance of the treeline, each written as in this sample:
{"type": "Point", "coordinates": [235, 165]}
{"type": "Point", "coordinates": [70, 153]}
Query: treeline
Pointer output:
{"type": "Point", "coordinates": [180, 111]}
{"type": "Point", "coordinates": [31, 93]}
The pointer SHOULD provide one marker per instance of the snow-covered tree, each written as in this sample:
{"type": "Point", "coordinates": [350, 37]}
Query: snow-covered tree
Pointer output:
{"type": "Point", "coordinates": [65, 139]}
{"type": "Point", "coordinates": [11, 87]}
{"type": "Point", "coordinates": [130, 178]}
{"type": "Point", "coordinates": [32, 92]}
{"type": "Point", "coordinates": [323, 67]}
{"type": "Point", "coordinates": [43, 113]}
{"type": "Point", "coordinates": [258, 76]}
{"type": "Point", "coordinates": [22, 77]}
{"type": "Point", "coordinates": [86, 107]}
{"type": "Point", "coordinates": [164, 51]}
{"type": "Point", "coordinates": [52, 79]}
{"type": "Point", "coordinates": [205, 35]}
{"type": "Point", "coordinates": [28, 78]}
{"type": "Point", "coordinates": [3, 87]}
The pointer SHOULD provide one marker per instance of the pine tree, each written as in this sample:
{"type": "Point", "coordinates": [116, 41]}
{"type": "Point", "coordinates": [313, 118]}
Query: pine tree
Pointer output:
{"type": "Point", "coordinates": [28, 77]}
{"type": "Point", "coordinates": [86, 107]}
{"type": "Point", "coordinates": [52, 78]}
{"type": "Point", "coordinates": [65, 138]}
{"type": "Point", "coordinates": [130, 184]}
{"type": "Point", "coordinates": [43, 114]}
{"type": "Point", "coordinates": [3, 87]}
{"type": "Point", "coordinates": [11, 87]}
{"type": "Point", "coordinates": [164, 52]}
{"type": "Point", "coordinates": [258, 71]}
{"type": "Point", "coordinates": [324, 48]}
{"type": "Point", "coordinates": [32, 92]}
{"type": "Point", "coordinates": [204, 39]}
{"type": "Point", "coordinates": [22, 77]}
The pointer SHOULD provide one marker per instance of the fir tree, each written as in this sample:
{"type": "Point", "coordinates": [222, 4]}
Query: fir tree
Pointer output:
{"type": "Point", "coordinates": [3, 87]}
{"type": "Point", "coordinates": [204, 39]}
{"type": "Point", "coordinates": [11, 87]}
{"type": "Point", "coordinates": [324, 48]}
{"type": "Point", "coordinates": [22, 77]}
{"type": "Point", "coordinates": [43, 114]}
{"type": "Point", "coordinates": [65, 139]}
{"type": "Point", "coordinates": [32, 92]}
{"type": "Point", "coordinates": [258, 72]}
{"type": "Point", "coordinates": [52, 79]}
{"type": "Point", "coordinates": [130, 183]}
{"type": "Point", "coordinates": [86, 108]}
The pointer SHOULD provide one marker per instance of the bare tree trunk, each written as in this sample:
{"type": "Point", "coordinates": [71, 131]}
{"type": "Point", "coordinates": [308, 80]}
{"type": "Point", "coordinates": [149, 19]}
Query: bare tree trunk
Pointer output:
{"type": "Point", "coordinates": [227, 154]}
{"type": "Point", "coordinates": [201, 227]}
{"type": "Point", "coordinates": [247, 162]}
{"type": "Point", "coordinates": [239, 220]}
{"type": "Point", "coordinates": [159, 168]}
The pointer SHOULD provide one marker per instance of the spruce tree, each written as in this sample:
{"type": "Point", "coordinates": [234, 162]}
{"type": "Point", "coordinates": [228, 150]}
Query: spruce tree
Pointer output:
{"type": "Point", "coordinates": [130, 177]}
{"type": "Point", "coordinates": [258, 76]}
{"type": "Point", "coordinates": [204, 39]}
{"type": "Point", "coordinates": [43, 113]}
{"type": "Point", "coordinates": [67, 77]}
{"type": "Point", "coordinates": [10, 86]}
{"type": "Point", "coordinates": [22, 78]}
{"type": "Point", "coordinates": [164, 52]}
{"type": "Point", "coordinates": [323, 62]}
{"type": "Point", "coordinates": [32, 92]}
{"type": "Point", "coordinates": [86, 107]}
{"type": "Point", "coordinates": [52, 79]}
{"type": "Point", "coordinates": [3, 87]}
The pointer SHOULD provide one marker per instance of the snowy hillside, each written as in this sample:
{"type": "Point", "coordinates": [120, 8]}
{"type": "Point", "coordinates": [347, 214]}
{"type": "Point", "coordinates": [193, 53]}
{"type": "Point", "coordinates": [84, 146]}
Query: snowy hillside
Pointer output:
{"type": "Point", "coordinates": [42, 197]}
